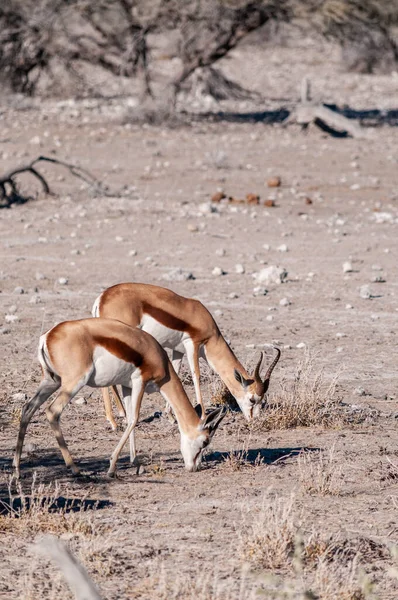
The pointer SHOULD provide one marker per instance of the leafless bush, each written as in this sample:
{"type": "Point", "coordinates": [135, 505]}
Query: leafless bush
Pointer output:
{"type": "Point", "coordinates": [319, 474]}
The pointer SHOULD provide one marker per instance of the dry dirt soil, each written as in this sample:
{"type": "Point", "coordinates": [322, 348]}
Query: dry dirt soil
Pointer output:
{"type": "Point", "coordinates": [164, 532]}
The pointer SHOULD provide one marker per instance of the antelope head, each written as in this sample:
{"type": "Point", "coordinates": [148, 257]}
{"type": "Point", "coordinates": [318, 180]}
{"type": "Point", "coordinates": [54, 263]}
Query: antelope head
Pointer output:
{"type": "Point", "coordinates": [192, 446]}
{"type": "Point", "coordinates": [255, 388]}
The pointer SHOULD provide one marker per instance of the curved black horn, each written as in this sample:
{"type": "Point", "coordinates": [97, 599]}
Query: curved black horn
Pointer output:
{"type": "Point", "coordinates": [273, 364]}
{"type": "Point", "coordinates": [258, 367]}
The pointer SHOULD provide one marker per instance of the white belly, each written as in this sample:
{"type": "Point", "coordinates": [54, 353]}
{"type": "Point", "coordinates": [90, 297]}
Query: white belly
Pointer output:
{"type": "Point", "coordinates": [110, 370]}
{"type": "Point", "coordinates": [167, 338]}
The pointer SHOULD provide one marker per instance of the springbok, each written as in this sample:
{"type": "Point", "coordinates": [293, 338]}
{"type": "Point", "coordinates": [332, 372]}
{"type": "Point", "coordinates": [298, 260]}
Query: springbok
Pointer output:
{"type": "Point", "coordinates": [183, 325]}
{"type": "Point", "coordinates": [105, 352]}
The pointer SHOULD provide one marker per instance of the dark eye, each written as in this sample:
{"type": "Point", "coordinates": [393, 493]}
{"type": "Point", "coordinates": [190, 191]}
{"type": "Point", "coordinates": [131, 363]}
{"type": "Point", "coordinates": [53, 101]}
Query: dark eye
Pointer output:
{"type": "Point", "coordinates": [206, 443]}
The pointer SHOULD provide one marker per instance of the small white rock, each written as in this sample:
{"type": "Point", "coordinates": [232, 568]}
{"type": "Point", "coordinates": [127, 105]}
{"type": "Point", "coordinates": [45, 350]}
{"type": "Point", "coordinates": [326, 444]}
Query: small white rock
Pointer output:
{"type": "Point", "coordinates": [301, 345]}
{"type": "Point", "coordinates": [80, 400]}
{"type": "Point", "coordinates": [269, 318]}
{"type": "Point", "coordinates": [266, 246]}
{"type": "Point", "coordinates": [19, 397]}
{"type": "Point", "coordinates": [284, 302]}
{"type": "Point", "coordinates": [19, 290]}
{"type": "Point", "coordinates": [233, 295]}
{"type": "Point", "coordinates": [4, 330]}
{"type": "Point", "coordinates": [260, 291]}
{"type": "Point", "coordinates": [220, 252]}
{"type": "Point", "coordinates": [271, 274]}
{"type": "Point", "coordinates": [240, 269]}
{"type": "Point", "coordinates": [364, 292]}
{"type": "Point", "coordinates": [178, 274]}
{"type": "Point", "coordinates": [341, 335]}
{"type": "Point", "coordinates": [119, 238]}
{"type": "Point", "coordinates": [217, 272]}
{"type": "Point", "coordinates": [35, 299]}
{"type": "Point", "coordinates": [287, 347]}
{"type": "Point", "coordinates": [347, 267]}
{"type": "Point", "coordinates": [339, 349]}
{"type": "Point", "coordinates": [63, 281]}
{"type": "Point", "coordinates": [193, 228]}
{"type": "Point", "coordinates": [132, 253]}
{"type": "Point", "coordinates": [349, 306]}
{"type": "Point", "coordinates": [12, 309]}
{"type": "Point", "coordinates": [11, 318]}
{"type": "Point", "coordinates": [218, 312]}
{"type": "Point", "coordinates": [283, 248]}
{"type": "Point", "coordinates": [40, 276]}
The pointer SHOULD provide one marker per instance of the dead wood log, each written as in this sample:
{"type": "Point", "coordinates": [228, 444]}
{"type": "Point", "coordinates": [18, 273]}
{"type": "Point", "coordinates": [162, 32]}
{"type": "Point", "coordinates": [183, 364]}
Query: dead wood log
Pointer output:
{"type": "Point", "coordinates": [9, 193]}
{"type": "Point", "coordinates": [75, 574]}
{"type": "Point", "coordinates": [307, 112]}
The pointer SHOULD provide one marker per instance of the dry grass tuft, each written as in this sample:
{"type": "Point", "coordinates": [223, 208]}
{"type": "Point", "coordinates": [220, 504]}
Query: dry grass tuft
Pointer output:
{"type": "Point", "coordinates": [268, 541]}
{"type": "Point", "coordinates": [40, 511]}
{"type": "Point", "coordinates": [337, 581]}
{"type": "Point", "coordinates": [319, 473]}
{"type": "Point", "coordinates": [307, 401]}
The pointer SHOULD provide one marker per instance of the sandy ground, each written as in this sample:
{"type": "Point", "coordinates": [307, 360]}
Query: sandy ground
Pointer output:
{"type": "Point", "coordinates": [166, 527]}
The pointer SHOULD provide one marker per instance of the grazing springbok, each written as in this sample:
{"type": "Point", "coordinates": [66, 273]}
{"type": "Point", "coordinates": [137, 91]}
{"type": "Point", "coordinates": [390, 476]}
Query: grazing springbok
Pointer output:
{"type": "Point", "coordinates": [183, 325]}
{"type": "Point", "coordinates": [106, 352]}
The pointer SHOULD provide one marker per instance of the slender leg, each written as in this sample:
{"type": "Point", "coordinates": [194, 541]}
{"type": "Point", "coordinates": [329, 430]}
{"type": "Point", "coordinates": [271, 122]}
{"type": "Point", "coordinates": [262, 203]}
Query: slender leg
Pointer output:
{"type": "Point", "coordinates": [127, 402]}
{"type": "Point", "coordinates": [176, 360]}
{"type": "Point", "coordinates": [53, 414]}
{"type": "Point", "coordinates": [118, 402]}
{"type": "Point", "coordinates": [193, 361]}
{"type": "Point", "coordinates": [108, 408]}
{"type": "Point", "coordinates": [46, 388]}
{"type": "Point", "coordinates": [137, 393]}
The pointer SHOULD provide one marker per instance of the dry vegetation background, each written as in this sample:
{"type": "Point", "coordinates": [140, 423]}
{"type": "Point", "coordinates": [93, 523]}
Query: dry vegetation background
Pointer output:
{"type": "Point", "coordinates": [167, 104]}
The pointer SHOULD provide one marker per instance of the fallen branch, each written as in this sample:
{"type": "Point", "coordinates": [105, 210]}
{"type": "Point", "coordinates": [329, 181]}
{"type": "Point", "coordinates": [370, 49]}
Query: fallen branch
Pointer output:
{"type": "Point", "coordinates": [75, 574]}
{"type": "Point", "coordinates": [9, 193]}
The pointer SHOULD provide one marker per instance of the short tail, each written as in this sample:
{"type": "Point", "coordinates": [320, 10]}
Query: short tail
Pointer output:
{"type": "Point", "coordinates": [44, 359]}
{"type": "Point", "coordinates": [95, 309]}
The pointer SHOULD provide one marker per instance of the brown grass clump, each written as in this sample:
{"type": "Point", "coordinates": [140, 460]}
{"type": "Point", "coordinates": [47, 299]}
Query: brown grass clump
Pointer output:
{"type": "Point", "coordinates": [307, 401]}
{"type": "Point", "coordinates": [336, 581]}
{"type": "Point", "coordinates": [319, 473]}
{"type": "Point", "coordinates": [268, 541]}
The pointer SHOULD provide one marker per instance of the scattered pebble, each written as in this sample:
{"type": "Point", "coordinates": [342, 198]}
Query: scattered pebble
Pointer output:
{"type": "Point", "coordinates": [301, 345]}
{"type": "Point", "coordinates": [178, 274]}
{"type": "Point", "coordinates": [284, 302]}
{"type": "Point", "coordinates": [63, 281]}
{"type": "Point", "coordinates": [260, 291]}
{"type": "Point", "coordinates": [341, 335]}
{"type": "Point", "coordinates": [359, 391]}
{"type": "Point", "coordinates": [218, 313]}
{"type": "Point", "coordinates": [35, 299]}
{"type": "Point", "coordinates": [240, 269]}
{"type": "Point", "coordinates": [132, 253]}
{"type": "Point", "coordinates": [339, 349]}
{"type": "Point", "coordinates": [269, 318]}
{"type": "Point", "coordinates": [193, 228]}
{"type": "Point", "coordinates": [283, 248]}
{"type": "Point", "coordinates": [80, 400]}
{"type": "Point", "coordinates": [40, 276]}
{"type": "Point", "coordinates": [349, 306]}
{"type": "Point", "coordinates": [19, 290]}
{"type": "Point", "coordinates": [218, 271]}
{"type": "Point", "coordinates": [220, 252]}
{"type": "Point", "coordinates": [12, 309]}
{"type": "Point", "coordinates": [4, 330]}
{"type": "Point", "coordinates": [233, 295]}
{"type": "Point", "coordinates": [19, 397]}
{"type": "Point", "coordinates": [347, 267]}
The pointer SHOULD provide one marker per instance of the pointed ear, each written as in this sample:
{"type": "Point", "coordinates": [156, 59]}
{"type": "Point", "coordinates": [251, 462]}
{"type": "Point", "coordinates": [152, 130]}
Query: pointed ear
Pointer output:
{"type": "Point", "coordinates": [239, 378]}
{"type": "Point", "coordinates": [198, 410]}
{"type": "Point", "coordinates": [213, 419]}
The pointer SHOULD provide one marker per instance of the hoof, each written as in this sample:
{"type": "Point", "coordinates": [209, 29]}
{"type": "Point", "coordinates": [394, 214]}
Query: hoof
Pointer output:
{"type": "Point", "coordinates": [112, 474]}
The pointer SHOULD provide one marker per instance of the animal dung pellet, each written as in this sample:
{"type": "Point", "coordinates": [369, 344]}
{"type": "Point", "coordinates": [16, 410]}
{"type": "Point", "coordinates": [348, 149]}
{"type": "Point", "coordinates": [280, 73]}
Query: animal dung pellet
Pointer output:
{"type": "Point", "coordinates": [274, 181]}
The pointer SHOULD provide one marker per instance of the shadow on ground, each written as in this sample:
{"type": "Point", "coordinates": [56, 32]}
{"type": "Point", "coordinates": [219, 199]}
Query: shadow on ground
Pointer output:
{"type": "Point", "coordinates": [253, 456]}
